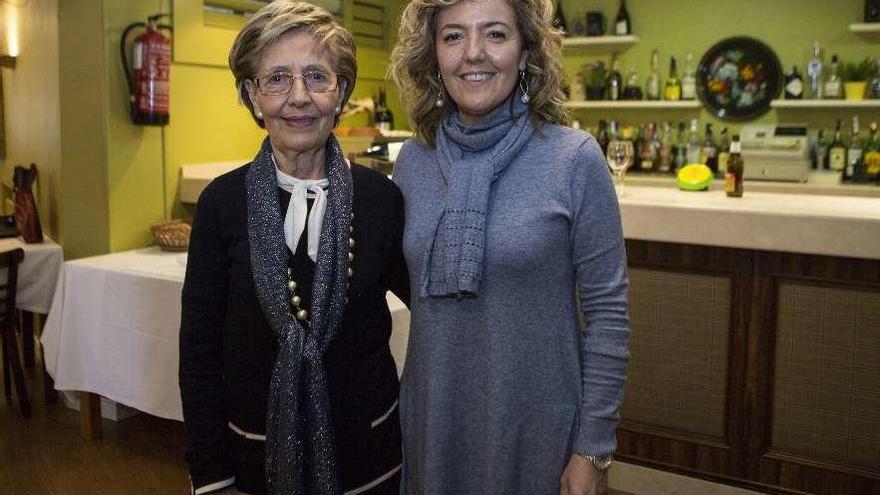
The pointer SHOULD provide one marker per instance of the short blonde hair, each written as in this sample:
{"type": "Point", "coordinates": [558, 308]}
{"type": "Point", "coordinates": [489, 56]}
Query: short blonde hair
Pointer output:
{"type": "Point", "coordinates": [270, 24]}
{"type": "Point", "coordinates": [414, 65]}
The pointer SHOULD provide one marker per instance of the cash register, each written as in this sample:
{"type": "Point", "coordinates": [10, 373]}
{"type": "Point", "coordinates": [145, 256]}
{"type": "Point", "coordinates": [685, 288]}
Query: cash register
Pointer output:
{"type": "Point", "coordinates": [779, 152]}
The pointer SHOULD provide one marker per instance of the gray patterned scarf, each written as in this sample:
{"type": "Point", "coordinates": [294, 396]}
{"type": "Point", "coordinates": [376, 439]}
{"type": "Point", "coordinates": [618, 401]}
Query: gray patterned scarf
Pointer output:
{"type": "Point", "coordinates": [300, 453]}
{"type": "Point", "coordinates": [471, 158]}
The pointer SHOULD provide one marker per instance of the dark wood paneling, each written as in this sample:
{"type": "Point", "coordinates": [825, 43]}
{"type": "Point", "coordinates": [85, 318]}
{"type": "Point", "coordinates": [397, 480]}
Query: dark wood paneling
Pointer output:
{"type": "Point", "coordinates": [743, 457]}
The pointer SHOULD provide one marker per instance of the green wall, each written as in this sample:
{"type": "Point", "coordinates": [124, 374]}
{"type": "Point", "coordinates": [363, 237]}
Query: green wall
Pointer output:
{"type": "Point", "coordinates": [676, 27]}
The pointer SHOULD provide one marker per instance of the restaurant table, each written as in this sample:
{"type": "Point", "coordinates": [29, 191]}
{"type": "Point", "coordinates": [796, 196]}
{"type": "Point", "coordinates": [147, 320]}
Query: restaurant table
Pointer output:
{"type": "Point", "coordinates": [37, 277]}
{"type": "Point", "coordinates": [113, 332]}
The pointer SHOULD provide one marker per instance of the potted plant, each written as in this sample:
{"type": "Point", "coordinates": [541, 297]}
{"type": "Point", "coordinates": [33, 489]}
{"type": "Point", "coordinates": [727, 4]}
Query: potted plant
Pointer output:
{"type": "Point", "coordinates": [855, 76]}
{"type": "Point", "coordinates": [593, 76]}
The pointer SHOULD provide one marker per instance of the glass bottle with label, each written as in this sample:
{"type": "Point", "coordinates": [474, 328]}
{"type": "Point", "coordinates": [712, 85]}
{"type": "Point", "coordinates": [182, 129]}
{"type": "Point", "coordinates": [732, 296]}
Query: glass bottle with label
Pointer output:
{"type": "Point", "coordinates": [814, 73]}
{"type": "Point", "coordinates": [680, 153]}
{"type": "Point", "coordinates": [733, 184]}
{"type": "Point", "coordinates": [709, 151]}
{"type": "Point", "coordinates": [689, 81]}
{"type": "Point", "coordinates": [822, 145]}
{"type": "Point", "coordinates": [672, 90]}
{"type": "Point", "coordinates": [665, 156]}
{"type": "Point", "coordinates": [874, 83]}
{"type": "Point", "coordinates": [723, 152]}
{"type": "Point", "coordinates": [648, 148]}
{"type": "Point", "coordinates": [833, 85]}
{"type": "Point", "coordinates": [383, 117]}
{"type": "Point", "coordinates": [855, 164]}
{"type": "Point", "coordinates": [602, 138]}
{"type": "Point", "coordinates": [614, 83]}
{"type": "Point", "coordinates": [872, 155]}
{"type": "Point", "coordinates": [794, 85]}
{"type": "Point", "coordinates": [632, 90]}
{"type": "Point", "coordinates": [837, 151]}
{"type": "Point", "coordinates": [622, 24]}
{"type": "Point", "coordinates": [652, 86]}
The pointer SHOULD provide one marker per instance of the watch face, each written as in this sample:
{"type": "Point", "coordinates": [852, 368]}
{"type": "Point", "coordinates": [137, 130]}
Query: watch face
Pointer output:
{"type": "Point", "coordinates": [602, 462]}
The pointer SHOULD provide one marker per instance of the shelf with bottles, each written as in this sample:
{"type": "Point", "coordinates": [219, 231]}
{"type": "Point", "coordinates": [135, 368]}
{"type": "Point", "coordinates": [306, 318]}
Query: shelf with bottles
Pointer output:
{"type": "Point", "coordinates": [634, 104]}
{"type": "Point", "coordinates": [599, 43]}
{"type": "Point", "coordinates": [826, 104]}
{"type": "Point", "coordinates": [865, 27]}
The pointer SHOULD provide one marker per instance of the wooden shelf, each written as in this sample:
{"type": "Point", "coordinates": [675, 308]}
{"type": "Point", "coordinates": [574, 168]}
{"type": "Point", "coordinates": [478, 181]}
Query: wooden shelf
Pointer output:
{"type": "Point", "coordinates": [634, 104]}
{"type": "Point", "coordinates": [599, 43]}
{"type": "Point", "coordinates": [825, 104]}
{"type": "Point", "coordinates": [872, 27]}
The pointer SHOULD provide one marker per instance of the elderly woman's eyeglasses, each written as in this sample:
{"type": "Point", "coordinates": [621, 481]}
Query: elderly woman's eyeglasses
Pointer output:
{"type": "Point", "coordinates": [280, 83]}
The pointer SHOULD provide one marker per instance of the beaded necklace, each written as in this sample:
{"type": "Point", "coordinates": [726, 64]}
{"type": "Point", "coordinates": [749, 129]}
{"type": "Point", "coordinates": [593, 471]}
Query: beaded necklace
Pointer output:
{"type": "Point", "coordinates": [302, 314]}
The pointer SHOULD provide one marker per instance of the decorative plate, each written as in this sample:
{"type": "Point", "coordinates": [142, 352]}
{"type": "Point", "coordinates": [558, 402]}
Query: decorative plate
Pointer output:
{"type": "Point", "coordinates": [738, 77]}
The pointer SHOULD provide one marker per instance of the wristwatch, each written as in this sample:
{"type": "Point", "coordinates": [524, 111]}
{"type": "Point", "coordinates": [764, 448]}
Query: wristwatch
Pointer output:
{"type": "Point", "coordinates": [600, 462]}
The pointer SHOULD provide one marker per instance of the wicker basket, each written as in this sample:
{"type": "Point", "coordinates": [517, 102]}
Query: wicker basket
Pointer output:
{"type": "Point", "coordinates": [172, 236]}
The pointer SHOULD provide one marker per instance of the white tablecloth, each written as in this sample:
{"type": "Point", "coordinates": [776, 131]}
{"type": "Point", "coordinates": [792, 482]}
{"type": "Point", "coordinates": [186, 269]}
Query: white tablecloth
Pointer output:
{"type": "Point", "coordinates": [37, 274]}
{"type": "Point", "coordinates": [115, 323]}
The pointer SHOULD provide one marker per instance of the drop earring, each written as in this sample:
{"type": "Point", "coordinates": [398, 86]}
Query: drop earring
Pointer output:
{"type": "Point", "coordinates": [524, 87]}
{"type": "Point", "coordinates": [441, 97]}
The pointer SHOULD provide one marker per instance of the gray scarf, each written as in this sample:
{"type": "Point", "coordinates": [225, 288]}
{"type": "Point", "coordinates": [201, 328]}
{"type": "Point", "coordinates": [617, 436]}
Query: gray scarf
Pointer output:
{"type": "Point", "coordinates": [300, 453]}
{"type": "Point", "coordinates": [471, 158]}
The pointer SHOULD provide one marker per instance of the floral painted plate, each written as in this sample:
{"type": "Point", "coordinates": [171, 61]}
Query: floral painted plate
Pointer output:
{"type": "Point", "coordinates": [738, 77]}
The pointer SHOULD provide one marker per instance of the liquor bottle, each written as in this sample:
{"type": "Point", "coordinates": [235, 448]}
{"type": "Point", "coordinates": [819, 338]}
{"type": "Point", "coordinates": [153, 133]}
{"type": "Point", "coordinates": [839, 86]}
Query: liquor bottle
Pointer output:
{"type": "Point", "coordinates": [709, 151]}
{"type": "Point", "coordinates": [622, 25]}
{"type": "Point", "coordinates": [680, 158]}
{"type": "Point", "coordinates": [652, 86]}
{"type": "Point", "coordinates": [383, 118]}
{"type": "Point", "coordinates": [874, 84]}
{"type": "Point", "coordinates": [833, 85]}
{"type": "Point", "coordinates": [648, 148]}
{"type": "Point", "coordinates": [733, 184]}
{"type": "Point", "coordinates": [794, 85]}
{"type": "Point", "coordinates": [855, 164]}
{"type": "Point", "coordinates": [693, 147]}
{"type": "Point", "coordinates": [872, 10]}
{"type": "Point", "coordinates": [665, 157]}
{"type": "Point", "coordinates": [872, 155]}
{"type": "Point", "coordinates": [821, 151]}
{"type": "Point", "coordinates": [602, 137]}
{"type": "Point", "coordinates": [559, 18]}
{"type": "Point", "coordinates": [672, 91]}
{"type": "Point", "coordinates": [614, 83]}
{"type": "Point", "coordinates": [814, 73]}
{"type": "Point", "coordinates": [689, 81]}
{"type": "Point", "coordinates": [632, 90]}
{"type": "Point", "coordinates": [837, 151]}
{"type": "Point", "coordinates": [723, 152]}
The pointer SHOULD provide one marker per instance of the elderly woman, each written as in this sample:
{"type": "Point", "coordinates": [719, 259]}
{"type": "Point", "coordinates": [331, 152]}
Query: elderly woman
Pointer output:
{"type": "Point", "coordinates": [509, 215]}
{"type": "Point", "coordinates": [288, 383]}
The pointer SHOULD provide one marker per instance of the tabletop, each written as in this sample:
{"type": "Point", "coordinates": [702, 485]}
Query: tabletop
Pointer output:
{"type": "Point", "coordinates": [37, 274]}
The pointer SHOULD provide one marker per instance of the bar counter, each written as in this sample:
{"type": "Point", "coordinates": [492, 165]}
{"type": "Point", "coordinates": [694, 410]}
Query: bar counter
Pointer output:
{"type": "Point", "coordinates": [755, 344]}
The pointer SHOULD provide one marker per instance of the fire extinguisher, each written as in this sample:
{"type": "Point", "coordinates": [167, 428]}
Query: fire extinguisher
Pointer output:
{"type": "Point", "coordinates": [149, 81]}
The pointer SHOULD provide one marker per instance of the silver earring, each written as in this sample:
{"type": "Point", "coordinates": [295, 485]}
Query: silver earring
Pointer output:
{"type": "Point", "coordinates": [338, 110]}
{"type": "Point", "coordinates": [524, 87]}
{"type": "Point", "coordinates": [259, 115]}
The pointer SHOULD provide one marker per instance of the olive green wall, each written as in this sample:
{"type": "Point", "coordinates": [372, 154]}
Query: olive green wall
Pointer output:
{"type": "Point", "coordinates": [675, 27]}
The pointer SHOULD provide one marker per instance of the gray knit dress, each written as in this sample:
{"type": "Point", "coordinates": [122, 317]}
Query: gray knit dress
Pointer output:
{"type": "Point", "coordinates": [498, 390]}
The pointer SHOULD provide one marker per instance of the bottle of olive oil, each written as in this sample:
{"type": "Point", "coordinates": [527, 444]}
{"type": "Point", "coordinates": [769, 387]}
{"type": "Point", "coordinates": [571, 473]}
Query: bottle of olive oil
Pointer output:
{"type": "Point", "coordinates": [735, 167]}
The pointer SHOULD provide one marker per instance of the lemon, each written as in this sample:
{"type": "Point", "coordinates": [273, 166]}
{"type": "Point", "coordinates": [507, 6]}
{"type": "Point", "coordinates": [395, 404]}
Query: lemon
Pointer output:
{"type": "Point", "coordinates": [694, 177]}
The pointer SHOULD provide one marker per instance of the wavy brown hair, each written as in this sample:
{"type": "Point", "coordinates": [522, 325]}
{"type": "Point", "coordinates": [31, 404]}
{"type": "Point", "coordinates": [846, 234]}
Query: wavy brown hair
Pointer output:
{"type": "Point", "coordinates": [270, 24]}
{"type": "Point", "coordinates": [415, 69]}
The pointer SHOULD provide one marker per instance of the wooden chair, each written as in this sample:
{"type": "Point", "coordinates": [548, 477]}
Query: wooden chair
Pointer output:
{"type": "Point", "coordinates": [11, 361]}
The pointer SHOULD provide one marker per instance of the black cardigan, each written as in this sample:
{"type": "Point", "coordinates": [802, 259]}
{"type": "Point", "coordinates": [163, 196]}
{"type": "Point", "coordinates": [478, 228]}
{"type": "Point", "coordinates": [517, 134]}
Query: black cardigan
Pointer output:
{"type": "Point", "coordinates": [227, 349]}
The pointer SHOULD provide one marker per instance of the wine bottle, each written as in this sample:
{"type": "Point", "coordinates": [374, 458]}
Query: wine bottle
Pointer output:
{"type": "Point", "coordinates": [652, 86]}
{"type": "Point", "coordinates": [872, 10]}
{"type": "Point", "coordinates": [872, 155]}
{"type": "Point", "coordinates": [614, 84]}
{"type": "Point", "coordinates": [622, 25]}
{"type": "Point", "coordinates": [794, 85]}
{"type": "Point", "coordinates": [672, 91]}
{"type": "Point", "coordinates": [814, 73]}
{"type": "Point", "coordinates": [559, 18]}
{"type": "Point", "coordinates": [833, 85]}
{"type": "Point", "coordinates": [709, 151]}
{"type": "Point", "coordinates": [837, 151]}
{"type": "Point", "coordinates": [689, 81]}
{"type": "Point", "coordinates": [383, 117]}
{"type": "Point", "coordinates": [855, 164]}
{"type": "Point", "coordinates": [602, 138]}
{"type": "Point", "coordinates": [723, 152]}
{"type": "Point", "coordinates": [733, 184]}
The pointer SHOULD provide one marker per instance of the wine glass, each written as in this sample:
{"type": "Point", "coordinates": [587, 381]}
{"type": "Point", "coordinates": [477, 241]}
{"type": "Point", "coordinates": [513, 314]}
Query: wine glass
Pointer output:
{"type": "Point", "coordinates": [620, 157]}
